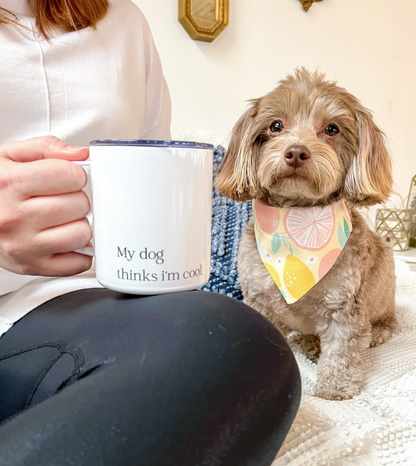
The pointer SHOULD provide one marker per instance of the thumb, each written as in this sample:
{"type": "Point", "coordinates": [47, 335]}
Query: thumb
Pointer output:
{"type": "Point", "coordinates": [45, 147]}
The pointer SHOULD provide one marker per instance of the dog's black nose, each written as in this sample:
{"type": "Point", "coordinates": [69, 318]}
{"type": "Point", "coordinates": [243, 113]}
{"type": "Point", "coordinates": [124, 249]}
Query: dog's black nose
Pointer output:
{"type": "Point", "coordinates": [296, 155]}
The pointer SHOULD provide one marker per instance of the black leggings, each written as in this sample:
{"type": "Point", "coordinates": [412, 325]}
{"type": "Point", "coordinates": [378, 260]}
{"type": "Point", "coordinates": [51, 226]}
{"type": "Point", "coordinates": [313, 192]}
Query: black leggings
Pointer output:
{"type": "Point", "coordinates": [96, 377]}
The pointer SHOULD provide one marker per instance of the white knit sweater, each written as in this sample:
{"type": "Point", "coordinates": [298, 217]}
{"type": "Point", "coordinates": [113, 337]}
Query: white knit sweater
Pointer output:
{"type": "Point", "coordinates": [103, 83]}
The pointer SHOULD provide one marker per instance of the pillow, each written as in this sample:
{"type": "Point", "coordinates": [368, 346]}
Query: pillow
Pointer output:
{"type": "Point", "coordinates": [229, 219]}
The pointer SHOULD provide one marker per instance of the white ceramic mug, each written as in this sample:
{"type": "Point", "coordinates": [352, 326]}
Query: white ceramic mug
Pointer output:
{"type": "Point", "coordinates": [151, 214]}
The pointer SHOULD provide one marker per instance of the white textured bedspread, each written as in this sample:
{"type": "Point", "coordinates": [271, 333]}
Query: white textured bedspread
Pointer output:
{"type": "Point", "coordinates": [378, 427]}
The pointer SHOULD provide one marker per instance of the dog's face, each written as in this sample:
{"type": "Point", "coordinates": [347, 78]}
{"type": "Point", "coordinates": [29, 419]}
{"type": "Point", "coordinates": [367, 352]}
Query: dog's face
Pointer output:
{"type": "Point", "coordinates": [307, 142]}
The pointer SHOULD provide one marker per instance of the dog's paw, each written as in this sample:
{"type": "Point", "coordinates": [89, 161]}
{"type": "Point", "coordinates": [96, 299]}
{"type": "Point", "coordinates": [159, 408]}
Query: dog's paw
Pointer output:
{"type": "Point", "coordinates": [380, 334]}
{"type": "Point", "coordinates": [337, 393]}
{"type": "Point", "coordinates": [310, 345]}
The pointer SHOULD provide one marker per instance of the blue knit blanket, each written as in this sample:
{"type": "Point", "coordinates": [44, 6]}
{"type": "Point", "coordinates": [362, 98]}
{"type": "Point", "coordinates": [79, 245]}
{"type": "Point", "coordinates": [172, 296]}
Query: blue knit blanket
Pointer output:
{"type": "Point", "coordinates": [229, 219]}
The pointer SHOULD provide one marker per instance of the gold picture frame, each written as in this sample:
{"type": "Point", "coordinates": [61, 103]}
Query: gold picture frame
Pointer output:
{"type": "Point", "coordinates": [308, 3]}
{"type": "Point", "coordinates": [204, 19]}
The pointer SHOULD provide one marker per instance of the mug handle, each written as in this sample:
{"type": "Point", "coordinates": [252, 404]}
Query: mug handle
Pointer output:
{"type": "Point", "coordinates": [87, 250]}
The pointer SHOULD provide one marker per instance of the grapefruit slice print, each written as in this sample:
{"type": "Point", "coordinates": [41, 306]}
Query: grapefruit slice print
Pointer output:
{"type": "Point", "coordinates": [310, 228]}
{"type": "Point", "coordinates": [268, 217]}
{"type": "Point", "coordinates": [328, 261]}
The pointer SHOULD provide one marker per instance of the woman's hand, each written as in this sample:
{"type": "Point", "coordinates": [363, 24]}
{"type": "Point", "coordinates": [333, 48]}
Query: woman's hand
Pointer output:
{"type": "Point", "coordinates": [43, 208]}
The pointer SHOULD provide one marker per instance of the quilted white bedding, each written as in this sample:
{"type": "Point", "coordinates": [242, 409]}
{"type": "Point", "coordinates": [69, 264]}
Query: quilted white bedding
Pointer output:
{"type": "Point", "coordinates": [378, 427]}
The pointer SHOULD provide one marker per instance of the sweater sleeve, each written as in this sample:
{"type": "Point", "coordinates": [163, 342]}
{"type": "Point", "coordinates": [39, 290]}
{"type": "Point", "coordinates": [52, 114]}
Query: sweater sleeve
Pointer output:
{"type": "Point", "coordinates": [157, 112]}
{"type": "Point", "coordinates": [12, 281]}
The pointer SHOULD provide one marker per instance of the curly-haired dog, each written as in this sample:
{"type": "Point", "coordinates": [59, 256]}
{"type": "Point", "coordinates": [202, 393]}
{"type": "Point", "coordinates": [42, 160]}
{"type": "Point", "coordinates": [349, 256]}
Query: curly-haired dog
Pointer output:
{"type": "Point", "coordinates": [310, 144]}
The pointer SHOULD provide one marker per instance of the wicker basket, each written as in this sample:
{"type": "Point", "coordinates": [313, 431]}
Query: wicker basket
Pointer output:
{"type": "Point", "coordinates": [395, 224]}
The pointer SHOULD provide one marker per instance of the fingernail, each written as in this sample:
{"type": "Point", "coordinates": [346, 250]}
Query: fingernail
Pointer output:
{"type": "Point", "coordinates": [75, 148]}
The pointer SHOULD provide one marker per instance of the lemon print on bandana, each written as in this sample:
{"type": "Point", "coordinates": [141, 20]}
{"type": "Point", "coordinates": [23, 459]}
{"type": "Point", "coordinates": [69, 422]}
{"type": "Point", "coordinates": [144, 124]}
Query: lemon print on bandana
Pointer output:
{"type": "Point", "coordinates": [298, 246]}
{"type": "Point", "coordinates": [297, 276]}
{"type": "Point", "coordinates": [272, 271]}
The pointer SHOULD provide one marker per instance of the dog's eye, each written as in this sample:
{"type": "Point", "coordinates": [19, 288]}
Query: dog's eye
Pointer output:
{"type": "Point", "coordinates": [276, 126]}
{"type": "Point", "coordinates": [331, 130]}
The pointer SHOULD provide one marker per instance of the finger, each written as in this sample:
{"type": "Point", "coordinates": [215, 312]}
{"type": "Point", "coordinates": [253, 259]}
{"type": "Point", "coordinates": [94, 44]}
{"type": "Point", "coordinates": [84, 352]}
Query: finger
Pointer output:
{"type": "Point", "coordinates": [47, 177]}
{"type": "Point", "coordinates": [63, 265]}
{"type": "Point", "coordinates": [63, 238]}
{"type": "Point", "coordinates": [45, 147]}
{"type": "Point", "coordinates": [50, 211]}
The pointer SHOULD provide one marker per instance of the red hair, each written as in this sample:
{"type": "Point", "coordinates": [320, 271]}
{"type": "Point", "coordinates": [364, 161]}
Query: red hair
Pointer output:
{"type": "Point", "coordinates": [71, 15]}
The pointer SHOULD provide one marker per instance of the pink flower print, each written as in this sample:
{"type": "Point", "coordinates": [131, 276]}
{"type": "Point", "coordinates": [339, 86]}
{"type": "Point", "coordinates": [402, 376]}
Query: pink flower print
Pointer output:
{"type": "Point", "coordinates": [312, 259]}
{"type": "Point", "coordinates": [279, 262]}
{"type": "Point", "coordinates": [267, 256]}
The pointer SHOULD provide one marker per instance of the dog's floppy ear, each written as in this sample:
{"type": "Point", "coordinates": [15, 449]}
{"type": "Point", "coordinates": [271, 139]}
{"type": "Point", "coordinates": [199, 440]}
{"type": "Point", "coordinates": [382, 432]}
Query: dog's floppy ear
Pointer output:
{"type": "Point", "coordinates": [237, 172]}
{"type": "Point", "coordinates": [369, 179]}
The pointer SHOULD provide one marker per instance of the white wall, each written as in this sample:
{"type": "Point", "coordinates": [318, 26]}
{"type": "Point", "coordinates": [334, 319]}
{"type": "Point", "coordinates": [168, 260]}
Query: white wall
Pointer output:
{"type": "Point", "coordinates": [368, 46]}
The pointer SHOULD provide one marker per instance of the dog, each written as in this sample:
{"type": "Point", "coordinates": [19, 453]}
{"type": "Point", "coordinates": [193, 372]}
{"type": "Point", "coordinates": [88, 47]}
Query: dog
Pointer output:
{"type": "Point", "coordinates": [310, 144]}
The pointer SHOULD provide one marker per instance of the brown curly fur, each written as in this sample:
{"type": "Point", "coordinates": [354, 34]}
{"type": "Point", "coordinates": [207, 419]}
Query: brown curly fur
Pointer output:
{"type": "Point", "coordinates": [352, 307]}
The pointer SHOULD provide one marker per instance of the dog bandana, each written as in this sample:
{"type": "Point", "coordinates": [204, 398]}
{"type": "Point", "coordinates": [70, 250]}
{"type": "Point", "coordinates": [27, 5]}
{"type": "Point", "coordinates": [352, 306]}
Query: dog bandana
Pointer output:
{"type": "Point", "coordinates": [298, 246]}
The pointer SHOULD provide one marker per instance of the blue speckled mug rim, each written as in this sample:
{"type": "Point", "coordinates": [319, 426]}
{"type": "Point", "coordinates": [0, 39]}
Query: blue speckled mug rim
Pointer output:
{"type": "Point", "coordinates": [152, 143]}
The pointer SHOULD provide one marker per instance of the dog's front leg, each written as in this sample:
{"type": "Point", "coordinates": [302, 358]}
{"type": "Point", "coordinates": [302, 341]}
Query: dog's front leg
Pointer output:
{"type": "Point", "coordinates": [343, 338]}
